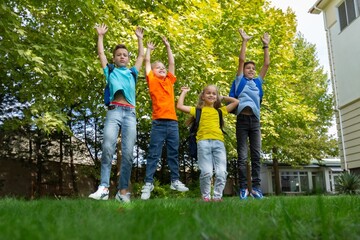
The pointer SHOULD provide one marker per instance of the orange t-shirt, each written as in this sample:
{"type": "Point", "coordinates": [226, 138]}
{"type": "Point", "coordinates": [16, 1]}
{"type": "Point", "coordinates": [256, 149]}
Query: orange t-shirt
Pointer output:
{"type": "Point", "coordinates": [162, 96]}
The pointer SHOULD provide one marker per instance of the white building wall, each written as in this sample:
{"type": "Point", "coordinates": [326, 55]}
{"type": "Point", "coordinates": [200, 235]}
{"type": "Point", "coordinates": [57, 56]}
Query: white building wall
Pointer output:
{"type": "Point", "coordinates": [344, 58]}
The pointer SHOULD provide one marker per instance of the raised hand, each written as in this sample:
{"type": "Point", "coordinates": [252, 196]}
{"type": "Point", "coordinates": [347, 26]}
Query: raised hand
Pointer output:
{"type": "Point", "coordinates": [243, 35]}
{"type": "Point", "coordinates": [165, 41]}
{"type": "Point", "coordinates": [101, 29]}
{"type": "Point", "coordinates": [185, 89]}
{"type": "Point", "coordinates": [150, 45]}
{"type": "Point", "coordinates": [265, 39]}
{"type": "Point", "coordinates": [139, 32]}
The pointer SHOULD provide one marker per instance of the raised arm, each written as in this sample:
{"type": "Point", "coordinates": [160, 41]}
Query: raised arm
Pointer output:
{"type": "Point", "coordinates": [170, 55]}
{"type": "Point", "coordinates": [265, 40]}
{"type": "Point", "coordinates": [140, 58]}
{"type": "Point", "coordinates": [150, 47]}
{"type": "Point", "coordinates": [101, 30]}
{"type": "Point", "coordinates": [180, 104]}
{"type": "Point", "coordinates": [232, 103]}
{"type": "Point", "coordinates": [245, 39]}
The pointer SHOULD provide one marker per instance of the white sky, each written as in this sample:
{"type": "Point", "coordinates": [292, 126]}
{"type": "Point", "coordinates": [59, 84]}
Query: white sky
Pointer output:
{"type": "Point", "coordinates": [312, 27]}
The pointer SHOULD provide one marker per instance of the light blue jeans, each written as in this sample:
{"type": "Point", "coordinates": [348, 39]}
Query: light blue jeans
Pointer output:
{"type": "Point", "coordinates": [124, 119]}
{"type": "Point", "coordinates": [163, 131]}
{"type": "Point", "coordinates": [212, 156]}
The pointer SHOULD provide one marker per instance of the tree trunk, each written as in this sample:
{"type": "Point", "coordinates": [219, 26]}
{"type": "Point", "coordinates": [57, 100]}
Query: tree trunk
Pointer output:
{"type": "Point", "coordinates": [60, 172]}
{"type": "Point", "coordinates": [276, 173]}
{"type": "Point", "coordinates": [39, 162]}
{"type": "Point", "coordinates": [118, 160]}
{"type": "Point", "coordinates": [73, 173]}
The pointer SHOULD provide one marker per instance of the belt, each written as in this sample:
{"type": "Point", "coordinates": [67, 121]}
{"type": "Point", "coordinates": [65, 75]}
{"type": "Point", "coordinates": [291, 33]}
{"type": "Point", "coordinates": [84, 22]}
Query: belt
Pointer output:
{"type": "Point", "coordinates": [112, 107]}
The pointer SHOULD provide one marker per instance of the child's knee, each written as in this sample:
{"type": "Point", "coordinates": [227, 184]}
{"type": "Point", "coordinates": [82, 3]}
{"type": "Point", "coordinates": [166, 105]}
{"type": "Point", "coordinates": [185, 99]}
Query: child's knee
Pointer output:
{"type": "Point", "coordinates": [206, 175]}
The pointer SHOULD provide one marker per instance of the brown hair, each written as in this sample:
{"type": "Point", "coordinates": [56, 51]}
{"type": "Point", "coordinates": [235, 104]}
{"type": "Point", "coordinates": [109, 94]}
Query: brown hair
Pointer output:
{"type": "Point", "coordinates": [118, 47]}
{"type": "Point", "coordinates": [249, 62]}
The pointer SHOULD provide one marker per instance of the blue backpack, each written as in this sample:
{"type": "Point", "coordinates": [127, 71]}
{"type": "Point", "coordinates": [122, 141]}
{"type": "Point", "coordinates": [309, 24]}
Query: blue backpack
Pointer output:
{"type": "Point", "coordinates": [236, 89]}
{"type": "Point", "coordinates": [107, 88]}
{"type": "Point", "coordinates": [193, 131]}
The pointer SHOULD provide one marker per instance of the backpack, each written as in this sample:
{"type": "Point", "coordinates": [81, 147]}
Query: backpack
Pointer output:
{"type": "Point", "coordinates": [107, 88]}
{"type": "Point", "coordinates": [193, 132]}
{"type": "Point", "coordinates": [236, 89]}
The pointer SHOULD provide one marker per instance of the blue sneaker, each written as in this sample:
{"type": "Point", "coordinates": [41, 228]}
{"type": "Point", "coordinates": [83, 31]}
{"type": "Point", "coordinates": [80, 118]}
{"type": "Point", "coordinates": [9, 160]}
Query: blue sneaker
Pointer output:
{"type": "Point", "coordinates": [256, 193]}
{"type": "Point", "coordinates": [244, 192]}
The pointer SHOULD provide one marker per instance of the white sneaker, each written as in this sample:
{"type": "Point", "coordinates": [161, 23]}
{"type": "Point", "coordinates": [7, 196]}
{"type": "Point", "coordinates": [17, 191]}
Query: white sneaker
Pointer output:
{"type": "Point", "coordinates": [146, 191]}
{"type": "Point", "coordinates": [100, 194]}
{"type": "Point", "coordinates": [179, 186]}
{"type": "Point", "coordinates": [123, 198]}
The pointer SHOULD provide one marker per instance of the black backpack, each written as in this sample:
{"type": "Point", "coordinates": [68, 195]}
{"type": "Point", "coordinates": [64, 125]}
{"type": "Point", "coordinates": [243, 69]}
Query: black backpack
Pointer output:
{"type": "Point", "coordinates": [193, 131]}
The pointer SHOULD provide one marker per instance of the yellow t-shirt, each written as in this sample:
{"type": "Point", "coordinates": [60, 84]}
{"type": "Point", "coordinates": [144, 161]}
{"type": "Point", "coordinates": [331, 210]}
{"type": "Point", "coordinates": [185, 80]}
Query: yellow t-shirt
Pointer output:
{"type": "Point", "coordinates": [209, 125]}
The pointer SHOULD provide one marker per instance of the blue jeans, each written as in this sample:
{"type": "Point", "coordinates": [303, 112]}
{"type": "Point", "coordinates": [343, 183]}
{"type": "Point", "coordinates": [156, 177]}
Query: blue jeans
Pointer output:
{"type": "Point", "coordinates": [212, 156]}
{"type": "Point", "coordinates": [124, 119]}
{"type": "Point", "coordinates": [248, 127]}
{"type": "Point", "coordinates": [163, 131]}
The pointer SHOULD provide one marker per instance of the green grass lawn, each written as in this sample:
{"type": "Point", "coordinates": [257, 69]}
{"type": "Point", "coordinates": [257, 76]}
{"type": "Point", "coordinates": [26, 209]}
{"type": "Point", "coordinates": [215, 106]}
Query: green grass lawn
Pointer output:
{"type": "Point", "coordinates": [302, 217]}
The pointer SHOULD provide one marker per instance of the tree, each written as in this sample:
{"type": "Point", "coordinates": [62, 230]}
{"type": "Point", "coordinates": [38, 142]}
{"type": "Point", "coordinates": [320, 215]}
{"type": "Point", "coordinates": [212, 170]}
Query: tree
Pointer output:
{"type": "Point", "coordinates": [51, 72]}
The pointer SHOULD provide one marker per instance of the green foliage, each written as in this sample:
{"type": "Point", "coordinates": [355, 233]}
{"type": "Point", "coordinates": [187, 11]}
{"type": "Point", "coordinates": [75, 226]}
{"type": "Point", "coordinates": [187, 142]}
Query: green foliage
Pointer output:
{"type": "Point", "coordinates": [49, 59]}
{"type": "Point", "coordinates": [348, 183]}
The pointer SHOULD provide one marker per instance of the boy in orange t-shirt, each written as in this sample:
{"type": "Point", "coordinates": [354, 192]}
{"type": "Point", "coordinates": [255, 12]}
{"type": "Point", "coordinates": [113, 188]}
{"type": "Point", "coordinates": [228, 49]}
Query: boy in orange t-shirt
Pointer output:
{"type": "Point", "coordinates": [164, 127]}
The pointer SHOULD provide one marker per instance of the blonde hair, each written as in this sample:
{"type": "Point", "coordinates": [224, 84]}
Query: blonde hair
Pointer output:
{"type": "Point", "coordinates": [156, 63]}
{"type": "Point", "coordinates": [201, 102]}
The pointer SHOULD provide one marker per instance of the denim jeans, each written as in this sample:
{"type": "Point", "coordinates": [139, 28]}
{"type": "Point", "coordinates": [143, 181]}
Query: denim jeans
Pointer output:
{"type": "Point", "coordinates": [248, 126]}
{"type": "Point", "coordinates": [212, 156]}
{"type": "Point", "coordinates": [124, 119]}
{"type": "Point", "coordinates": [163, 131]}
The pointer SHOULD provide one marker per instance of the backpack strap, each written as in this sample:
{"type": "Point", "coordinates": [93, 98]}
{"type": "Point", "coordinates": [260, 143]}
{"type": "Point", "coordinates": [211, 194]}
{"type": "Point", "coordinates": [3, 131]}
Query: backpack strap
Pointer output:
{"type": "Point", "coordinates": [197, 120]}
{"type": "Point", "coordinates": [107, 89]}
{"type": "Point", "coordinates": [111, 68]}
{"type": "Point", "coordinates": [133, 73]}
{"type": "Point", "coordinates": [259, 86]}
{"type": "Point", "coordinates": [221, 120]}
{"type": "Point", "coordinates": [238, 86]}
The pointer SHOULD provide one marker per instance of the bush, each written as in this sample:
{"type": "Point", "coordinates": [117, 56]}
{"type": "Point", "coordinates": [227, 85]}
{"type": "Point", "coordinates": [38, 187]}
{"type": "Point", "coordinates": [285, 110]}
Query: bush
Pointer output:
{"type": "Point", "coordinates": [348, 183]}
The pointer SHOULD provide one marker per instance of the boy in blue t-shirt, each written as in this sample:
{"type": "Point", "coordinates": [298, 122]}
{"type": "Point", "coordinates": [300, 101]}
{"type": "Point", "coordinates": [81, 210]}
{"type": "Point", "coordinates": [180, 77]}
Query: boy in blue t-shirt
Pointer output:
{"type": "Point", "coordinates": [121, 115]}
{"type": "Point", "coordinates": [248, 116]}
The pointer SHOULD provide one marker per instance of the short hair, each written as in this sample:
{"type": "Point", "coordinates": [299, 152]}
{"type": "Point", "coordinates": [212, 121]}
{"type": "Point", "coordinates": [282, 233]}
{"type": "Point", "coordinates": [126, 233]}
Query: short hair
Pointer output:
{"type": "Point", "coordinates": [249, 62]}
{"type": "Point", "coordinates": [156, 63]}
{"type": "Point", "coordinates": [118, 47]}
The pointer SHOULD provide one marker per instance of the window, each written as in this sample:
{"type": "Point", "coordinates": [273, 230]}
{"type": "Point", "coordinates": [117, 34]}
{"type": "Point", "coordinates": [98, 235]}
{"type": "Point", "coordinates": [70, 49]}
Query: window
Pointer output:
{"type": "Point", "coordinates": [294, 181]}
{"type": "Point", "coordinates": [348, 11]}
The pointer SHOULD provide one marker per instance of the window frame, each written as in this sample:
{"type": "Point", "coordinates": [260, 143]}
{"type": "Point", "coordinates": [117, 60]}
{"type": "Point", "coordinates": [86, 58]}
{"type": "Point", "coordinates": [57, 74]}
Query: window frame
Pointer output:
{"type": "Point", "coordinates": [348, 11]}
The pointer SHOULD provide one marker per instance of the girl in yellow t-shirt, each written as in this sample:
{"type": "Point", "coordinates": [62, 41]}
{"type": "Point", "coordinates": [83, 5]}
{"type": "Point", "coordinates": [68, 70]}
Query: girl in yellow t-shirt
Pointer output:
{"type": "Point", "coordinates": [211, 151]}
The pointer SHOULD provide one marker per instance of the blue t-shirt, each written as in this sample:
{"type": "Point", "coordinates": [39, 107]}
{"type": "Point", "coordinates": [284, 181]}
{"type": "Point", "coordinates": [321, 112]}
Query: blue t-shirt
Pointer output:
{"type": "Point", "coordinates": [249, 97]}
{"type": "Point", "coordinates": [122, 79]}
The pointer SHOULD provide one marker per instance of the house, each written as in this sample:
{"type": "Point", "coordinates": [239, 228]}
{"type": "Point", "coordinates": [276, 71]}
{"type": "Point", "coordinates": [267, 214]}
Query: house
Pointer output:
{"type": "Point", "coordinates": [342, 26]}
{"type": "Point", "coordinates": [318, 176]}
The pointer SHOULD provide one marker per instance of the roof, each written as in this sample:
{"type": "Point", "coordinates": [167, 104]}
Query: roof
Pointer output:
{"type": "Point", "coordinates": [318, 7]}
{"type": "Point", "coordinates": [326, 162]}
